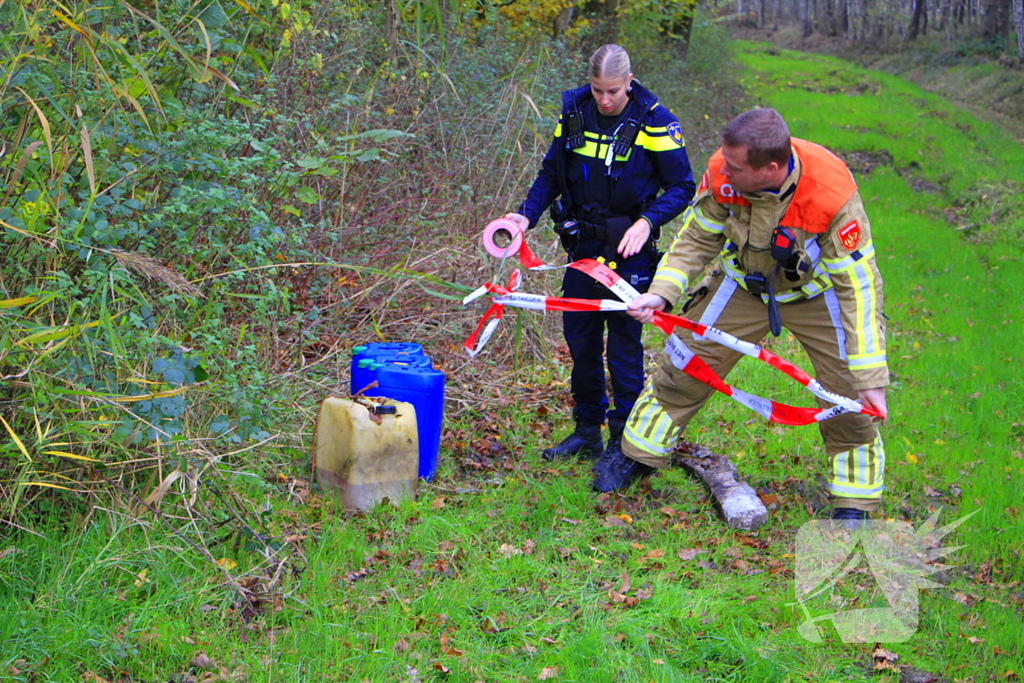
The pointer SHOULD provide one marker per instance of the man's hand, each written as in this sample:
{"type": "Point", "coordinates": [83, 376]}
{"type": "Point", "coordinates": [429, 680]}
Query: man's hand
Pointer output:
{"type": "Point", "coordinates": [519, 219]}
{"type": "Point", "coordinates": [873, 398]}
{"type": "Point", "coordinates": [635, 238]}
{"type": "Point", "coordinates": [643, 307]}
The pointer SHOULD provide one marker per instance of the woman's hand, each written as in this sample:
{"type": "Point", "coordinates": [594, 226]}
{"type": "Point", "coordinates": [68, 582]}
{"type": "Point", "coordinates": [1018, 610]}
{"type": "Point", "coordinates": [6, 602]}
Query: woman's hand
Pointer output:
{"type": "Point", "coordinates": [519, 219]}
{"type": "Point", "coordinates": [643, 307]}
{"type": "Point", "coordinates": [635, 238]}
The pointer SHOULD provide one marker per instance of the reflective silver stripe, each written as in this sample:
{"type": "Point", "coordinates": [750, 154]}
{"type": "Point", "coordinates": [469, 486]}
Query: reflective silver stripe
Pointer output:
{"type": "Point", "coordinates": [673, 276]}
{"type": "Point", "coordinates": [836, 315]}
{"type": "Point", "coordinates": [859, 472]}
{"type": "Point", "coordinates": [717, 304]}
{"type": "Point", "coordinates": [864, 361]}
{"type": "Point", "coordinates": [707, 223]}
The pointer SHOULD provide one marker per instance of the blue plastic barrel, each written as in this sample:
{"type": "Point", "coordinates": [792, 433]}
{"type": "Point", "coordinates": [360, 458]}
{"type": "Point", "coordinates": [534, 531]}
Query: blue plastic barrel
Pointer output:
{"type": "Point", "coordinates": [393, 352]}
{"type": "Point", "coordinates": [423, 387]}
{"type": "Point", "coordinates": [364, 371]}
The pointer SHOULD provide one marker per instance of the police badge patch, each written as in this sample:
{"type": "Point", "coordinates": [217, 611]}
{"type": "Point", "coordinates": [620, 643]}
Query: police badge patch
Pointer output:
{"type": "Point", "coordinates": [675, 132]}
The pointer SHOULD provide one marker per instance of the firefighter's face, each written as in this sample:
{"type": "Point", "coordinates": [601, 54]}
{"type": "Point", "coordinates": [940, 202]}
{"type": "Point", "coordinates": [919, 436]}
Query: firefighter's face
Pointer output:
{"type": "Point", "coordinates": [742, 175]}
{"type": "Point", "coordinates": [611, 94]}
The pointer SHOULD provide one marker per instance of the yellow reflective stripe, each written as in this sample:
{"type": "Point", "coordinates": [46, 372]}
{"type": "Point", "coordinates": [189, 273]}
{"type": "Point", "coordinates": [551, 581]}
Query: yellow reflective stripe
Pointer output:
{"type": "Point", "coordinates": [694, 214]}
{"type": "Point", "coordinates": [816, 286]}
{"type": "Point", "coordinates": [733, 273]}
{"type": "Point", "coordinates": [847, 262]}
{"type": "Point", "coordinates": [649, 427]}
{"type": "Point", "coordinates": [866, 305]}
{"type": "Point", "coordinates": [658, 143]}
{"type": "Point", "coordinates": [558, 130]}
{"type": "Point", "coordinates": [859, 472]}
{"type": "Point", "coordinates": [673, 276]}
{"type": "Point", "coordinates": [864, 361]}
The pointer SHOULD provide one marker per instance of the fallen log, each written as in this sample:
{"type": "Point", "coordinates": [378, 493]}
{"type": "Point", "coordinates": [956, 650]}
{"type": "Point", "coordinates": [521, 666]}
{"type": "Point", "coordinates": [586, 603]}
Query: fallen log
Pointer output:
{"type": "Point", "coordinates": [736, 500]}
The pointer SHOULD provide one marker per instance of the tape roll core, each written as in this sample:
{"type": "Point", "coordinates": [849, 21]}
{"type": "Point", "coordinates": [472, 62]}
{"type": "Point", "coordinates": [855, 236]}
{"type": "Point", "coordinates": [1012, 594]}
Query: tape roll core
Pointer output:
{"type": "Point", "coordinates": [510, 230]}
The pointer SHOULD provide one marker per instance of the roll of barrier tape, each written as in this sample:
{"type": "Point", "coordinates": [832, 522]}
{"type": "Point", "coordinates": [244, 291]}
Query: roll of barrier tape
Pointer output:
{"type": "Point", "coordinates": [510, 229]}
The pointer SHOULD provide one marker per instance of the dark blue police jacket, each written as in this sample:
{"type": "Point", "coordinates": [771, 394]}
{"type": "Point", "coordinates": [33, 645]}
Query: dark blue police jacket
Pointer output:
{"type": "Point", "coordinates": [656, 161]}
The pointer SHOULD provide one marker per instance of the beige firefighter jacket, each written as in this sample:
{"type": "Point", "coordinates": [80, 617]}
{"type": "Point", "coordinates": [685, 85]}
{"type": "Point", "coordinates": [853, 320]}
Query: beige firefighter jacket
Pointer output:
{"type": "Point", "coordinates": [841, 259]}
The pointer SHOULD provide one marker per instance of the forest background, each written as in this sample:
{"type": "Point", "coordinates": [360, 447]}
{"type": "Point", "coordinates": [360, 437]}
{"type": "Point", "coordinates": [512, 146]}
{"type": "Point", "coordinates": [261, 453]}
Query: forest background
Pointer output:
{"type": "Point", "coordinates": [208, 204]}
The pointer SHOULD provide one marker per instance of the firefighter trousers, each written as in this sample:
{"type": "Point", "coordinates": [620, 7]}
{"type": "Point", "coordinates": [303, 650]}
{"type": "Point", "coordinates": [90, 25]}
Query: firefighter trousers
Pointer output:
{"type": "Point", "coordinates": [671, 398]}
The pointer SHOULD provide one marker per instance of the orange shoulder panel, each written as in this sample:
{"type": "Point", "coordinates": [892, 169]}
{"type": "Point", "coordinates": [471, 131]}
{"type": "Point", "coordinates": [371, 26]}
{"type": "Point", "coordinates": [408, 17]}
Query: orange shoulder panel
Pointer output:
{"type": "Point", "coordinates": [826, 184]}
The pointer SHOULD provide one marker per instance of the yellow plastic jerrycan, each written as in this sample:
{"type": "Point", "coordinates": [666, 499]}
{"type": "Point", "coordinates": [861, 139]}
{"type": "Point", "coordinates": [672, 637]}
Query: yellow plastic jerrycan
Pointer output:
{"type": "Point", "coordinates": [365, 454]}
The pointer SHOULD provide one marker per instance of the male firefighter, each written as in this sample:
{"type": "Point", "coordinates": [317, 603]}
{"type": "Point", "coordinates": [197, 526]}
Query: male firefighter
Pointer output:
{"type": "Point", "coordinates": [786, 220]}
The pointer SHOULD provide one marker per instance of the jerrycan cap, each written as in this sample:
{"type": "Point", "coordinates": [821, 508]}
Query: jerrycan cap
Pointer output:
{"type": "Point", "coordinates": [359, 349]}
{"type": "Point", "coordinates": [385, 410]}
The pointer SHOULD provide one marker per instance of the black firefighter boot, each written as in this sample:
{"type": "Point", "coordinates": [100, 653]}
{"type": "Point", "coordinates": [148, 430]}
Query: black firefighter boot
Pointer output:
{"type": "Point", "coordinates": [584, 441]}
{"type": "Point", "coordinates": [615, 469]}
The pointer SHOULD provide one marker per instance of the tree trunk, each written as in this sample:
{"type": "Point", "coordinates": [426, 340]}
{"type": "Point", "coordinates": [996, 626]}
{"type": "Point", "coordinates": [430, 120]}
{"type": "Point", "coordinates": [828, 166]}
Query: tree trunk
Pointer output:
{"type": "Point", "coordinates": [915, 21]}
{"type": "Point", "coordinates": [685, 26]}
{"type": "Point", "coordinates": [805, 17]}
{"type": "Point", "coordinates": [995, 23]}
{"type": "Point", "coordinates": [392, 20]}
{"type": "Point", "coordinates": [1018, 21]}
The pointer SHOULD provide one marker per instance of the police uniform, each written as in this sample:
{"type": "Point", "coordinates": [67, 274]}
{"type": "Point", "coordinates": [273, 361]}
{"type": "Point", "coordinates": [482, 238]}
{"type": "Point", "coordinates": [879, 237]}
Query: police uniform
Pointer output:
{"type": "Point", "coordinates": [828, 294]}
{"type": "Point", "coordinates": [602, 189]}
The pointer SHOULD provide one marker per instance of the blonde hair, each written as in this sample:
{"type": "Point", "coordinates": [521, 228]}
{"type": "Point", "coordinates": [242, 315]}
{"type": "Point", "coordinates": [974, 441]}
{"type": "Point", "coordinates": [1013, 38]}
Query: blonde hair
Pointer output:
{"type": "Point", "coordinates": [609, 61]}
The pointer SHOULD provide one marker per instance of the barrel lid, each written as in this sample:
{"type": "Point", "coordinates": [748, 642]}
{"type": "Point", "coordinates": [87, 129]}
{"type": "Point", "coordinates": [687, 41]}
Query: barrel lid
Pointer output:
{"type": "Point", "coordinates": [359, 349]}
{"type": "Point", "coordinates": [385, 410]}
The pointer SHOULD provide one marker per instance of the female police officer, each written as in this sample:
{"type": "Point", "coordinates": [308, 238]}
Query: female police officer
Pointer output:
{"type": "Point", "coordinates": [614, 149]}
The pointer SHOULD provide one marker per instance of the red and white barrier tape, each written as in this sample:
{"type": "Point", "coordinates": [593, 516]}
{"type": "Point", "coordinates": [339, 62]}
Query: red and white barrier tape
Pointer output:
{"type": "Point", "coordinates": [681, 356]}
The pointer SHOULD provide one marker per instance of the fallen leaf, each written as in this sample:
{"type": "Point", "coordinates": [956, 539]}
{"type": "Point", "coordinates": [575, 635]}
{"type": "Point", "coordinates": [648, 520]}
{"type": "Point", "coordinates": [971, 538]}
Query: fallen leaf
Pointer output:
{"type": "Point", "coordinates": [689, 553]}
{"type": "Point", "coordinates": [402, 645]}
{"type": "Point", "coordinates": [964, 598]}
{"type": "Point", "coordinates": [669, 511]}
{"type": "Point", "coordinates": [975, 640]}
{"type": "Point", "coordinates": [655, 555]}
{"type": "Point", "coordinates": [547, 672]}
{"type": "Point", "coordinates": [912, 459]}
{"type": "Point", "coordinates": [90, 677]}
{"type": "Point", "coordinates": [438, 504]}
{"type": "Point", "coordinates": [930, 492]}
{"type": "Point", "coordinates": [644, 593]}
{"type": "Point", "coordinates": [884, 659]}
{"type": "Point", "coordinates": [508, 551]}
{"type": "Point", "coordinates": [201, 661]}
{"type": "Point", "coordinates": [442, 668]}
{"type": "Point", "coordinates": [996, 650]}
{"type": "Point", "coordinates": [449, 649]}
{"type": "Point", "coordinates": [227, 563]}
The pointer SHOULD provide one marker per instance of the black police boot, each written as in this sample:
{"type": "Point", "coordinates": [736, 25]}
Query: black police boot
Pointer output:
{"type": "Point", "coordinates": [615, 469]}
{"type": "Point", "coordinates": [585, 441]}
{"type": "Point", "coordinates": [851, 518]}
{"type": "Point", "coordinates": [614, 445]}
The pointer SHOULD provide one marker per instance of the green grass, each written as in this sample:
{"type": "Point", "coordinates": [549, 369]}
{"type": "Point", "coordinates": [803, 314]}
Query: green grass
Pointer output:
{"type": "Point", "coordinates": [507, 567]}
